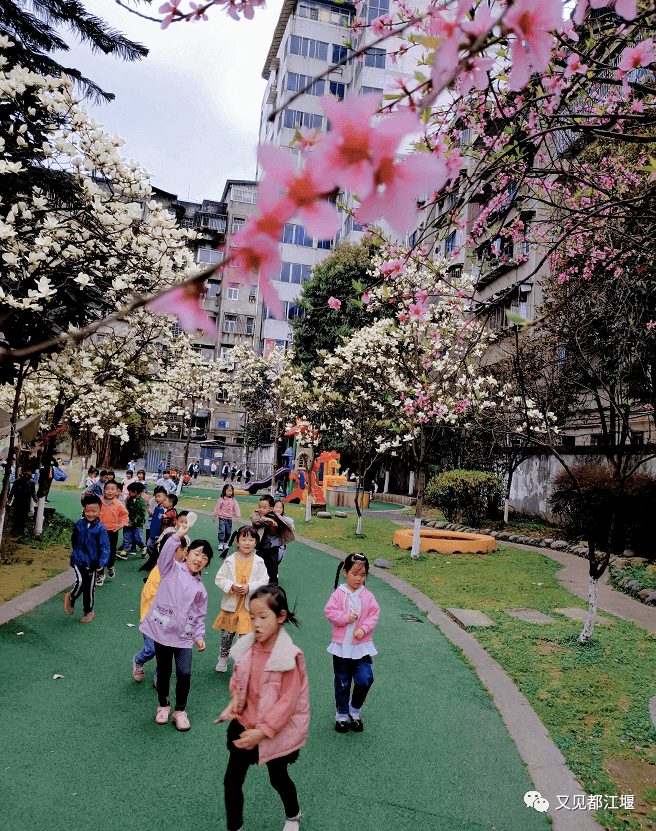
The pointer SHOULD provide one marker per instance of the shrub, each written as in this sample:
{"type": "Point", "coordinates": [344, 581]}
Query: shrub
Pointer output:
{"type": "Point", "coordinates": [57, 532]}
{"type": "Point", "coordinates": [466, 494]}
{"type": "Point", "coordinates": [620, 516]}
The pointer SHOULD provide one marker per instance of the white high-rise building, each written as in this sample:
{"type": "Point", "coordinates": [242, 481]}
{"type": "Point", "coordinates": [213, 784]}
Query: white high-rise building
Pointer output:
{"type": "Point", "coordinates": [309, 37]}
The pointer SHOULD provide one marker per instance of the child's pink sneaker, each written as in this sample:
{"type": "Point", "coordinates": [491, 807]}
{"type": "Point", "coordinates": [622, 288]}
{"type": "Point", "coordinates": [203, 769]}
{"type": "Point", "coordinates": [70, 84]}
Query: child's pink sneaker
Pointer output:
{"type": "Point", "coordinates": [181, 720]}
{"type": "Point", "coordinates": [162, 716]}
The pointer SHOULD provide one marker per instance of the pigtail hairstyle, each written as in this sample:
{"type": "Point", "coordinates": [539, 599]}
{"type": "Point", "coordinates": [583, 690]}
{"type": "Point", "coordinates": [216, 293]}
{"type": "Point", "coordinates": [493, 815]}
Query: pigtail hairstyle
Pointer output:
{"type": "Point", "coordinates": [276, 600]}
{"type": "Point", "coordinates": [349, 562]}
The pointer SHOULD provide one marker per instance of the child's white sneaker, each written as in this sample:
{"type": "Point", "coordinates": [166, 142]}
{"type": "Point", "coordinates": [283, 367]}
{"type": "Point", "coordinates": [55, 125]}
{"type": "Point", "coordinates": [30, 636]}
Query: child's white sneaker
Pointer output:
{"type": "Point", "coordinates": [222, 664]}
{"type": "Point", "coordinates": [293, 824]}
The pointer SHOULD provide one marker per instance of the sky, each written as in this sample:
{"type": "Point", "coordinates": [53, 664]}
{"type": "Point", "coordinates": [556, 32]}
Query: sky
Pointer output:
{"type": "Point", "coordinates": [189, 112]}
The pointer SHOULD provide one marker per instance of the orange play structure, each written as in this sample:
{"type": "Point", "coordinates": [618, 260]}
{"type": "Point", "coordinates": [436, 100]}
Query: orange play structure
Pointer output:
{"type": "Point", "coordinates": [446, 542]}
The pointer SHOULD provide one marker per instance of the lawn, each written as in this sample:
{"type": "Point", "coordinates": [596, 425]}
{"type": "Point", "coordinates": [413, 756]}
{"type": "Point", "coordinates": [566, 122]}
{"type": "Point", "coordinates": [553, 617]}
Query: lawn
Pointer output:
{"type": "Point", "coordinates": [593, 698]}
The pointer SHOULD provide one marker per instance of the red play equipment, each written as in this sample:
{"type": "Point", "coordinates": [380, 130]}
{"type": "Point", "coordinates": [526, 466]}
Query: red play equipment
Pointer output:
{"type": "Point", "coordinates": [299, 494]}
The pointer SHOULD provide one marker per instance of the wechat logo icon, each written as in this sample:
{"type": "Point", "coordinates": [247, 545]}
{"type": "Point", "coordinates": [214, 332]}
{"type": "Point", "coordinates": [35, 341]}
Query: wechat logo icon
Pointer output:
{"type": "Point", "coordinates": [533, 799]}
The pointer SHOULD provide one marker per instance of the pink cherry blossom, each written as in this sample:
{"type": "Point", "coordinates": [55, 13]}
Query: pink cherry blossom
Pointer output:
{"type": "Point", "coordinates": [421, 295]}
{"type": "Point", "coordinates": [366, 298]}
{"type": "Point", "coordinates": [380, 24]}
{"type": "Point", "coordinates": [350, 156]}
{"type": "Point", "coordinates": [628, 9]}
{"type": "Point", "coordinates": [648, 407]}
{"type": "Point", "coordinates": [637, 107]}
{"type": "Point", "coordinates": [256, 246]}
{"type": "Point", "coordinates": [574, 65]}
{"type": "Point", "coordinates": [303, 193]}
{"type": "Point", "coordinates": [171, 12]}
{"type": "Point", "coordinates": [417, 311]}
{"type": "Point", "coordinates": [651, 324]}
{"type": "Point", "coordinates": [334, 303]}
{"type": "Point", "coordinates": [532, 23]}
{"type": "Point", "coordinates": [184, 303]}
{"type": "Point", "coordinates": [640, 55]}
{"type": "Point", "coordinates": [398, 184]}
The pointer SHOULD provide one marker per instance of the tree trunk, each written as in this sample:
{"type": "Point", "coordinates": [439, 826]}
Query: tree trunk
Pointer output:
{"type": "Point", "coordinates": [185, 462]}
{"type": "Point", "coordinates": [386, 485]}
{"type": "Point", "coordinates": [10, 454]}
{"type": "Point", "coordinates": [46, 459]}
{"type": "Point", "coordinates": [419, 507]}
{"type": "Point", "coordinates": [276, 436]}
{"type": "Point", "coordinates": [83, 475]}
{"type": "Point", "coordinates": [359, 486]}
{"type": "Point", "coordinates": [586, 634]}
{"type": "Point", "coordinates": [308, 501]}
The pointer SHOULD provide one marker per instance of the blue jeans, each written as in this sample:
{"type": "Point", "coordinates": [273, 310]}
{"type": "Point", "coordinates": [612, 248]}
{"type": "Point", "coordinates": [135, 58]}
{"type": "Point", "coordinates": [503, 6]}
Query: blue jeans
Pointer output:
{"type": "Point", "coordinates": [362, 675]}
{"type": "Point", "coordinates": [225, 529]}
{"type": "Point", "coordinates": [132, 537]}
{"type": "Point", "coordinates": [147, 653]}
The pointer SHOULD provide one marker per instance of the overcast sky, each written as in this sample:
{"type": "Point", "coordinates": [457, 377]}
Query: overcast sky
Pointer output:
{"type": "Point", "coordinates": [190, 111]}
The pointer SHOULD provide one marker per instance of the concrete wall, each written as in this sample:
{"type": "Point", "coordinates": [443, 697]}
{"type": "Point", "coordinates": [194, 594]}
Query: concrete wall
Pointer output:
{"type": "Point", "coordinates": [533, 479]}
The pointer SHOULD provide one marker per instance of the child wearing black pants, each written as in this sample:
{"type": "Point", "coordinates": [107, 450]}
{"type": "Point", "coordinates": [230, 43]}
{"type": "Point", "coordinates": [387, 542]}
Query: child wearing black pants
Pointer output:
{"type": "Point", "coordinates": [90, 552]}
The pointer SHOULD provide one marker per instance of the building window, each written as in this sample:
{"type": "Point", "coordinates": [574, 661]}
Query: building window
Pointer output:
{"type": "Point", "coordinates": [242, 193]}
{"type": "Point", "coordinates": [250, 325]}
{"type": "Point", "coordinates": [226, 357]}
{"type": "Point", "coordinates": [213, 223]}
{"type": "Point", "coordinates": [229, 323]}
{"type": "Point", "coordinates": [372, 91]}
{"type": "Point", "coordinates": [295, 273]}
{"type": "Point", "coordinates": [338, 90]}
{"type": "Point", "coordinates": [324, 14]}
{"type": "Point", "coordinates": [450, 244]}
{"type": "Point", "coordinates": [207, 353]}
{"type": "Point", "coordinates": [296, 118]}
{"type": "Point", "coordinates": [175, 330]}
{"type": "Point", "coordinates": [308, 48]}
{"type": "Point", "coordinates": [325, 244]}
{"type": "Point", "coordinates": [233, 291]}
{"type": "Point", "coordinates": [295, 235]}
{"type": "Point", "coordinates": [292, 310]}
{"type": "Point", "coordinates": [209, 255]}
{"type": "Point", "coordinates": [568, 441]}
{"type": "Point", "coordinates": [339, 53]}
{"type": "Point", "coordinates": [296, 83]}
{"type": "Point", "coordinates": [377, 8]}
{"type": "Point", "coordinates": [237, 224]}
{"type": "Point", "coordinates": [375, 57]}
{"type": "Point", "coordinates": [213, 289]}
{"type": "Point", "coordinates": [252, 295]}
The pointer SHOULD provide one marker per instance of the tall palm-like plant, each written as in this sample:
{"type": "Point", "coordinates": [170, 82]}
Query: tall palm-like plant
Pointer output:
{"type": "Point", "coordinates": [33, 26]}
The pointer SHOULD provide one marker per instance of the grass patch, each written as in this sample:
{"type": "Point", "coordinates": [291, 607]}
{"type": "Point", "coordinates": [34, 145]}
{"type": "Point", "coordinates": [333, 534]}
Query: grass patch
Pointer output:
{"type": "Point", "coordinates": [593, 698]}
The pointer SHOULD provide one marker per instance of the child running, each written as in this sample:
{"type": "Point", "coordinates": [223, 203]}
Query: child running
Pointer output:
{"type": "Point", "coordinates": [279, 508]}
{"type": "Point", "coordinates": [147, 596]}
{"type": "Point", "coordinates": [353, 611]}
{"type": "Point", "coordinates": [176, 620]}
{"type": "Point", "coordinates": [241, 574]}
{"type": "Point", "coordinates": [90, 552]}
{"type": "Point", "coordinates": [113, 516]}
{"type": "Point", "coordinates": [226, 508]}
{"type": "Point", "coordinates": [137, 509]}
{"type": "Point", "coordinates": [269, 711]}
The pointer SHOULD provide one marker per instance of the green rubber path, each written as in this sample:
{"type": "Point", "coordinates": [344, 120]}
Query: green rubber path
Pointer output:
{"type": "Point", "coordinates": [83, 751]}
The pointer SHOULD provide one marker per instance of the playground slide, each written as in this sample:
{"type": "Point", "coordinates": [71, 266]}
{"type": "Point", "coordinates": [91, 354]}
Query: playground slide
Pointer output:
{"type": "Point", "coordinates": [254, 487]}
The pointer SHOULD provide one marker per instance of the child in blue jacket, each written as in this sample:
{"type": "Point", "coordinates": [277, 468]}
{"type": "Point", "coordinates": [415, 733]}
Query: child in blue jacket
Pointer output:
{"type": "Point", "coordinates": [90, 552]}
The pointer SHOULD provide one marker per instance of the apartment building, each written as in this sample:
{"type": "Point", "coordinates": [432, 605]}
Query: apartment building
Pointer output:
{"type": "Point", "coordinates": [308, 38]}
{"type": "Point", "coordinates": [233, 305]}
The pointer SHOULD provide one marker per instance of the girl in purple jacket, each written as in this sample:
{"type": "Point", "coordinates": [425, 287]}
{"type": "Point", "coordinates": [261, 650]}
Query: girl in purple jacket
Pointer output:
{"type": "Point", "coordinates": [353, 611]}
{"type": "Point", "coordinates": [176, 620]}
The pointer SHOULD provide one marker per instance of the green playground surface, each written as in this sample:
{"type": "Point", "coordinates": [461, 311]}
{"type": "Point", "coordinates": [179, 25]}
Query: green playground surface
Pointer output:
{"type": "Point", "coordinates": [83, 751]}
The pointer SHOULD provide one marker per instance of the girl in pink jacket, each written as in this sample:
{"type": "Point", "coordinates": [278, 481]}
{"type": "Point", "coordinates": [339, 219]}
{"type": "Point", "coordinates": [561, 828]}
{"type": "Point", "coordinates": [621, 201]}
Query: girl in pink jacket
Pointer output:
{"type": "Point", "coordinates": [225, 508]}
{"type": "Point", "coordinates": [269, 711]}
{"type": "Point", "coordinates": [353, 611]}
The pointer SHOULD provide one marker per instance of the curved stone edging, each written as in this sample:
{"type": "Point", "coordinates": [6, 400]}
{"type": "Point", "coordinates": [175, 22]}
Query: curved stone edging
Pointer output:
{"type": "Point", "coordinates": [545, 763]}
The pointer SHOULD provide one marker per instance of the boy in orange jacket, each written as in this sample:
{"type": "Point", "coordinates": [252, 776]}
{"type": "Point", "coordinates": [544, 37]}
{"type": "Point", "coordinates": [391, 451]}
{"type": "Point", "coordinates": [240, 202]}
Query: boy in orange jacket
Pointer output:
{"type": "Point", "coordinates": [114, 516]}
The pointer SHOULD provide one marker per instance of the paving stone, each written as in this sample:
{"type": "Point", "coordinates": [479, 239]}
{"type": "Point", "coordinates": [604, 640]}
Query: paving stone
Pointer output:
{"type": "Point", "coordinates": [628, 553]}
{"type": "Point", "coordinates": [530, 615]}
{"type": "Point", "coordinates": [581, 614]}
{"type": "Point", "coordinates": [651, 597]}
{"type": "Point", "coordinates": [547, 540]}
{"type": "Point", "coordinates": [503, 535]}
{"type": "Point", "coordinates": [441, 524]}
{"type": "Point", "coordinates": [559, 545]}
{"type": "Point", "coordinates": [633, 585]}
{"type": "Point", "coordinates": [470, 617]}
{"type": "Point", "coordinates": [644, 593]}
{"type": "Point", "coordinates": [495, 534]}
{"type": "Point", "coordinates": [341, 514]}
{"type": "Point", "coordinates": [324, 515]}
{"type": "Point", "coordinates": [383, 563]}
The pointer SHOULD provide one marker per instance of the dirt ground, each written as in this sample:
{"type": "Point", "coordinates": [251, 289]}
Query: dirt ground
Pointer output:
{"type": "Point", "coordinates": [23, 568]}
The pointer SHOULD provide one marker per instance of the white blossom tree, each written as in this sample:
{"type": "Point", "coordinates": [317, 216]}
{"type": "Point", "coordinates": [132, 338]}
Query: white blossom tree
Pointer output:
{"type": "Point", "coordinates": [268, 389]}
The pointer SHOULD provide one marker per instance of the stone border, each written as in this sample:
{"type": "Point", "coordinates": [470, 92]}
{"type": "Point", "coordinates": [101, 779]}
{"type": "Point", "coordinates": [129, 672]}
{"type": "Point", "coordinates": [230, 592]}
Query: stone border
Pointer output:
{"type": "Point", "coordinates": [546, 764]}
{"type": "Point", "coordinates": [35, 597]}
